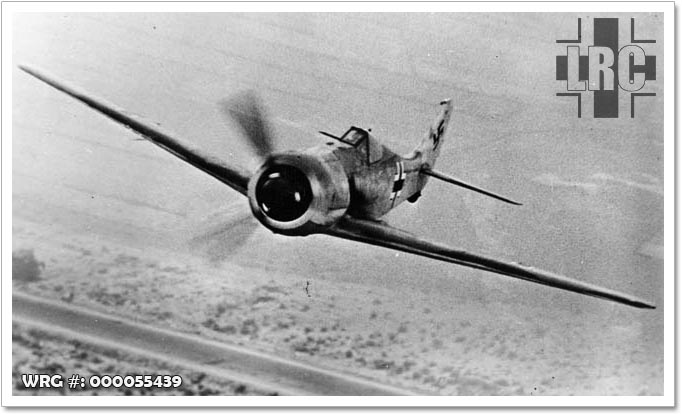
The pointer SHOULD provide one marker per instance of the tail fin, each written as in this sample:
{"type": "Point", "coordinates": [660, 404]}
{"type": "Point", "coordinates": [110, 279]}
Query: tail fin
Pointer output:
{"type": "Point", "coordinates": [430, 145]}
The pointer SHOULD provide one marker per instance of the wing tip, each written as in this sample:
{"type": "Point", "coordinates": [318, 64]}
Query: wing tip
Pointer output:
{"type": "Point", "coordinates": [43, 76]}
{"type": "Point", "coordinates": [30, 69]}
{"type": "Point", "coordinates": [633, 301]}
{"type": "Point", "coordinates": [646, 305]}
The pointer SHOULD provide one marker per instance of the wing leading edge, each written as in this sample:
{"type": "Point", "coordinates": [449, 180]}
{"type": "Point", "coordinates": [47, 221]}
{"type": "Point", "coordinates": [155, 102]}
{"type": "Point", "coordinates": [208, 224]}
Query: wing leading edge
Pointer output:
{"type": "Point", "coordinates": [380, 234]}
{"type": "Point", "coordinates": [235, 177]}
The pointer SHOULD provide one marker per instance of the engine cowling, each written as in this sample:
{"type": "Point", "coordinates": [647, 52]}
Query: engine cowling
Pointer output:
{"type": "Point", "coordinates": [299, 193]}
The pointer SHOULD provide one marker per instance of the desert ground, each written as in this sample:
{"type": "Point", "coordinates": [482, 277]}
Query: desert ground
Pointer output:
{"type": "Point", "coordinates": [125, 228]}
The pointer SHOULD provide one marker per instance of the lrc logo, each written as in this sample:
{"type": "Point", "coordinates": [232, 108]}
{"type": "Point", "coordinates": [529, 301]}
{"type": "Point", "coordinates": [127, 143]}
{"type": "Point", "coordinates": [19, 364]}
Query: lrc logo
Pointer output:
{"type": "Point", "coordinates": [605, 68]}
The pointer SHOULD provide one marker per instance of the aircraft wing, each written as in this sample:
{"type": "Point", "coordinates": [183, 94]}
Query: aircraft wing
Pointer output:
{"type": "Point", "coordinates": [380, 234]}
{"type": "Point", "coordinates": [235, 177]}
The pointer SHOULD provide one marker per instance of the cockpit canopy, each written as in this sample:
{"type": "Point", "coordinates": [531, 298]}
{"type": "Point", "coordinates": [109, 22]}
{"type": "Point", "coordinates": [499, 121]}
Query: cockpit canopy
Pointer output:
{"type": "Point", "coordinates": [363, 141]}
{"type": "Point", "coordinates": [354, 136]}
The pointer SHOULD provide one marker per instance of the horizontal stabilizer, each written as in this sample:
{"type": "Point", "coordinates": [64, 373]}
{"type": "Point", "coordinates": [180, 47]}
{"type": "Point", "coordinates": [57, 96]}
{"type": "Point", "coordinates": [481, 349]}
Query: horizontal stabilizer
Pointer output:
{"type": "Point", "coordinates": [468, 186]}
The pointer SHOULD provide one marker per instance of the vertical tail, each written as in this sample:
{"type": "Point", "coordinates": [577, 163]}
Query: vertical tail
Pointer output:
{"type": "Point", "coordinates": [430, 145]}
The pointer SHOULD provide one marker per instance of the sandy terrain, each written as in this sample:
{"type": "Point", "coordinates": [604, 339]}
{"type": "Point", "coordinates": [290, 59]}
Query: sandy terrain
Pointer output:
{"type": "Point", "coordinates": [123, 227]}
{"type": "Point", "coordinates": [442, 346]}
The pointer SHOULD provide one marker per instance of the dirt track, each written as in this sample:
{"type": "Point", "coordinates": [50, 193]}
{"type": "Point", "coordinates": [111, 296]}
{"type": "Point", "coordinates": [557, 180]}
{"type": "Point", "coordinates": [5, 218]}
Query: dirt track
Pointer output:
{"type": "Point", "coordinates": [266, 372]}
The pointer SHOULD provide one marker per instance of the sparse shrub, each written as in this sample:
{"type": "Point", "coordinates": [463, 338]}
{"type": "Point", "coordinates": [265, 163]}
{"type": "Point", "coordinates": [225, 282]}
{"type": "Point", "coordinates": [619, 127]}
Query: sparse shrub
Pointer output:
{"type": "Point", "coordinates": [502, 383]}
{"type": "Point", "coordinates": [197, 378]}
{"type": "Point", "coordinates": [300, 347]}
{"type": "Point", "coordinates": [382, 364]}
{"type": "Point", "coordinates": [220, 309]}
{"type": "Point", "coordinates": [307, 347]}
{"type": "Point", "coordinates": [210, 323]}
{"type": "Point", "coordinates": [408, 364]}
{"type": "Point", "coordinates": [53, 368]}
{"type": "Point", "coordinates": [208, 391]}
{"type": "Point", "coordinates": [249, 327]}
{"type": "Point", "coordinates": [263, 299]}
{"type": "Point", "coordinates": [25, 267]}
{"type": "Point", "coordinates": [227, 329]}
{"type": "Point", "coordinates": [68, 297]}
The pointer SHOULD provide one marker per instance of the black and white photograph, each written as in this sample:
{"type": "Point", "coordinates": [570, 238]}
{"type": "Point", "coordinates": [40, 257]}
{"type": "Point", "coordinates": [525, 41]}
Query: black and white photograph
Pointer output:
{"type": "Point", "coordinates": [234, 204]}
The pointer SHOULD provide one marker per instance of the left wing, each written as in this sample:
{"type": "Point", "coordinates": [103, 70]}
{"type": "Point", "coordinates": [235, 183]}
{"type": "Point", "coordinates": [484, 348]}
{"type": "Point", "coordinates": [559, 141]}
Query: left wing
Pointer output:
{"type": "Point", "coordinates": [233, 176]}
{"type": "Point", "coordinates": [381, 234]}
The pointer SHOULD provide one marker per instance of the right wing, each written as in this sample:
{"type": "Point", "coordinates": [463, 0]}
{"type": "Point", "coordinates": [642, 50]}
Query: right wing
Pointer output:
{"type": "Point", "coordinates": [235, 177]}
{"type": "Point", "coordinates": [381, 234]}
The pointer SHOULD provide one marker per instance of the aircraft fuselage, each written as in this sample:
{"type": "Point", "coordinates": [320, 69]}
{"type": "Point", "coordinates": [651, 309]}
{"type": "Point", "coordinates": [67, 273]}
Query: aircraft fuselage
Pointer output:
{"type": "Point", "coordinates": [379, 186]}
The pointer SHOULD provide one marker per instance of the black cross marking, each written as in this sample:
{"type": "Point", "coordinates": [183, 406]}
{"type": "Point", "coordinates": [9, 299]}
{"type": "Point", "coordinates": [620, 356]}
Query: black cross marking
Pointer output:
{"type": "Point", "coordinates": [435, 135]}
{"type": "Point", "coordinates": [398, 181]}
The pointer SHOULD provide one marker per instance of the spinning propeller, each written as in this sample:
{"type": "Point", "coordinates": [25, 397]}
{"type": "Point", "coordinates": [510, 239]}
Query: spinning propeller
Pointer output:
{"type": "Point", "coordinates": [283, 192]}
{"type": "Point", "coordinates": [247, 111]}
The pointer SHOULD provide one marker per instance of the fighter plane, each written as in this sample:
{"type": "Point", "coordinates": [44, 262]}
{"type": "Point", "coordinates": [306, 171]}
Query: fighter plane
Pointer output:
{"type": "Point", "coordinates": [341, 188]}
